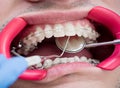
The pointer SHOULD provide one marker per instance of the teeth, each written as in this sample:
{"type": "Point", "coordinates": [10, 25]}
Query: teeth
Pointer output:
{"type": "Point", "coordinates": [76, 58]}
{"type": "Point", "coordinates": [70, 60]}
{"type": "Point", "coordinates": [58, 30]}
{"type": "Point", "coordinates": [39, 34]}
{"type": "Point", "coordinates": [83, 59]}
{"type": "Point", "coordinates": [49, 63]}
{"type": "Point", "coordinates": [69, 29]}
{"type": "Point", "coordinates": [56, 61]}
{"type": "Point", "coordinates": [64, 60]}
{"type": "Point", "coordinates": [79, 29]}
{"type": "Point", "coordinates": [48, 31]}
{"type": "Point", "coordinates": [33, 60]}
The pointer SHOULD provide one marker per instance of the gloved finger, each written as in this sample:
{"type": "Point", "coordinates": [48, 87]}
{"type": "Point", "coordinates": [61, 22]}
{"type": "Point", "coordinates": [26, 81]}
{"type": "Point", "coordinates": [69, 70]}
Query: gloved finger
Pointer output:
{"type": "Point", "coordinates": [10, 71]}
{"type": "Point", "coordinates": [2, 59]}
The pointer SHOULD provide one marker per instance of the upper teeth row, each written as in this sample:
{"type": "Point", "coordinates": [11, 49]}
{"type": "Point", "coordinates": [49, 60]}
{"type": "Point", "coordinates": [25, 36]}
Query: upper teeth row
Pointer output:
{"type": "Point", "coordinates": [48, 63]}
{"type": "Point", "coordinates": [58, 30]}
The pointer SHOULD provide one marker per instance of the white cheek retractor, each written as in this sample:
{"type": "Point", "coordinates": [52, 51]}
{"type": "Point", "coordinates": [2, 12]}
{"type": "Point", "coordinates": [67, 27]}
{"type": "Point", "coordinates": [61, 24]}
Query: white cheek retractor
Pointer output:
{"type": "Point", "coordinates": [71, 45]}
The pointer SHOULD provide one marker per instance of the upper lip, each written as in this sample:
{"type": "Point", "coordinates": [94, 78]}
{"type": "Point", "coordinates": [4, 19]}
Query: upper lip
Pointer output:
{"type": "Point", "coordinates": [52, 17]}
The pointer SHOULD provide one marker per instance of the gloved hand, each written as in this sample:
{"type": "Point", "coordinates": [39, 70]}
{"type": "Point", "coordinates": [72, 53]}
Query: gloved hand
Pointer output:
{"type": "Point", "coordinates": [10, 70]}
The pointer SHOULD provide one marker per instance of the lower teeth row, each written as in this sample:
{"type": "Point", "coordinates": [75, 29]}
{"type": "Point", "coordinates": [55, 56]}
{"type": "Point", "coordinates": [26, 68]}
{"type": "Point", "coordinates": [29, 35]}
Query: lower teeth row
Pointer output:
{"type": "Point", "coordinates": [49, 63]}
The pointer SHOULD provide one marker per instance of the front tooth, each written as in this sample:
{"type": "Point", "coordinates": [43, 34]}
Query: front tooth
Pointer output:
{"type": "Point", "coordinates": [69, 29]}
{"type": "Point", "coordinates": [70, 60]}
{"type": "Point", "coordinates": [39, 34]}
{"type": "Point", "coordinates": [47, 63]}
{"type": "Point", "coordinates": [58, 30]}
{"type": "Point", "coordinates": [48, 31]}
{"type": "Point", "coordinates": [63, 60]}
{"type": "Point", "coordinates": [56, 61]}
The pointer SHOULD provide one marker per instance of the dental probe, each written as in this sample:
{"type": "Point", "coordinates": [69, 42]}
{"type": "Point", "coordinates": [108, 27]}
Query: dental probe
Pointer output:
{"type": "Point", "coordinates": [81, 44]}
{"type": "Point", "coordinates": [32, 60]}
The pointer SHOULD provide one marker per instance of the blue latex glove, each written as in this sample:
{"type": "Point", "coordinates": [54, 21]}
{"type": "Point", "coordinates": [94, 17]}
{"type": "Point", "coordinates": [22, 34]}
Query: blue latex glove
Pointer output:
{"type": "Point", "coordinates": [10, 70]}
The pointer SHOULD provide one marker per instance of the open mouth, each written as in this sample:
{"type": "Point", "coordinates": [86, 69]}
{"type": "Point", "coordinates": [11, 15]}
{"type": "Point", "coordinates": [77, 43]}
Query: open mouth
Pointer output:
{"type": "Point", "coordinates": [42, 39]}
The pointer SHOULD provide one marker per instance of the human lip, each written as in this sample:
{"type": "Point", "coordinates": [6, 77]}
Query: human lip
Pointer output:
{"type": "Point", "coordinates": [62, 70]}
{"type": "Point", "coordinates": [52, 17]}
{"type": "Point", "coordinates": [92, 15]}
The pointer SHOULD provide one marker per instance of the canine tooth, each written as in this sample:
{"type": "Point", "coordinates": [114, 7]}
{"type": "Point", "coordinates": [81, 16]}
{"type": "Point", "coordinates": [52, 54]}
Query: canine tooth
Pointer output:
{"type": "Point", "coordinates": [79, 29]}
{"type": "Point", "coordinates": [69, 29]}
{"type": "Point", "coordinates": [47, 63]}
{"type": "Point", "coordinates": [56, 61]}
{"type": "Point", "coordinates": [48, 31]}
{"type": "Point", "coordinates": [76, 58]}
{"type": "Point", "coordinates": [58, 30]}
{"type": "Point", "coordinates": [39, 34]}
{"type": "Point", "coordinates": [63, 60]}
{"type": "Point", "coordinates": [70, 60]}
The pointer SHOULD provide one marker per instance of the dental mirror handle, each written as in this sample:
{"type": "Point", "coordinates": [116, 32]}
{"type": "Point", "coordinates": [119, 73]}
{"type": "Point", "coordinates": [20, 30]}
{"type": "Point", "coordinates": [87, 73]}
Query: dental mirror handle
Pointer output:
{"type": "Point", "coordinates": [117, 41]}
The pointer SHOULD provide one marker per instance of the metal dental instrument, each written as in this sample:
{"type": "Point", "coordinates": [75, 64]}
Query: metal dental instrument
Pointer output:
{"type": "Point", "coordinates": [81, 44]}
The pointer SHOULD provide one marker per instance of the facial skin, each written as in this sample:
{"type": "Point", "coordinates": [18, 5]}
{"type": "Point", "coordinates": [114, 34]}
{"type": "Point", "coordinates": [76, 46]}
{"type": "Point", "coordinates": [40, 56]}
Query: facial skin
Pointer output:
{"type": "Point", "coordinates": [86, 79]}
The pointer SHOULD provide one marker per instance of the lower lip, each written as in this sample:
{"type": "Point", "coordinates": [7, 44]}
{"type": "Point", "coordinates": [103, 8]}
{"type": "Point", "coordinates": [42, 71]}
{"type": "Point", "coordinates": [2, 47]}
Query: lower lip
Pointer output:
{"type": "Point", "coordinates": [58, 71]}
